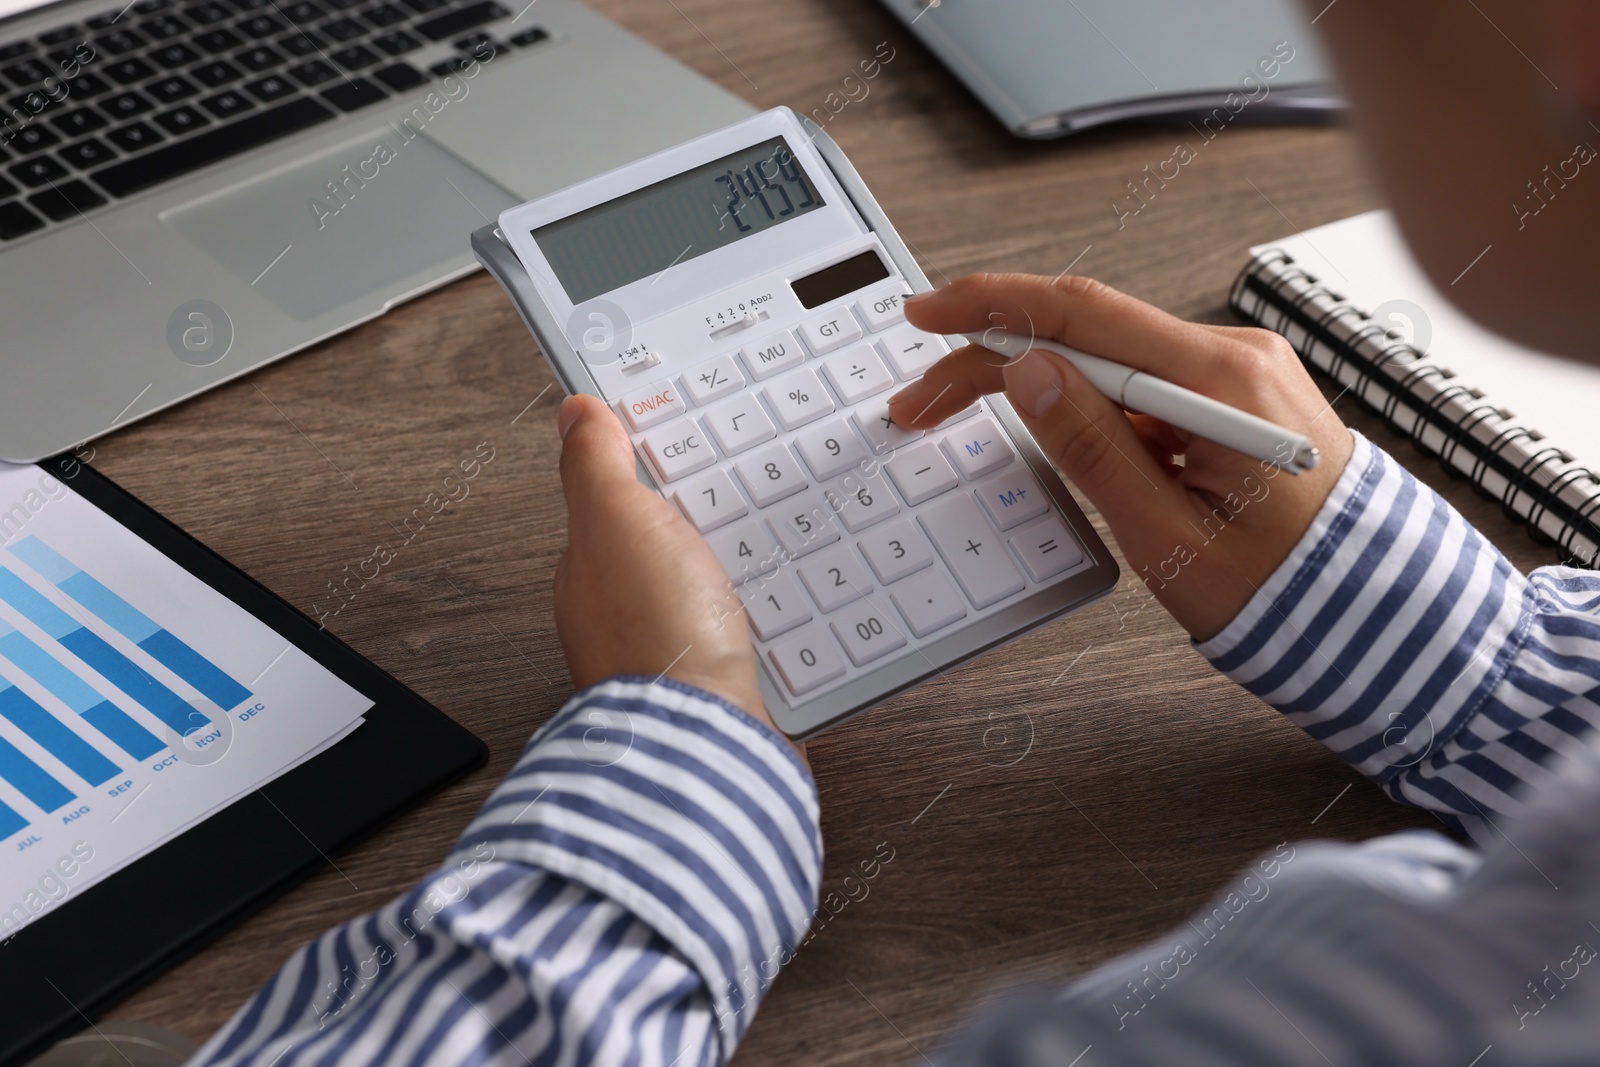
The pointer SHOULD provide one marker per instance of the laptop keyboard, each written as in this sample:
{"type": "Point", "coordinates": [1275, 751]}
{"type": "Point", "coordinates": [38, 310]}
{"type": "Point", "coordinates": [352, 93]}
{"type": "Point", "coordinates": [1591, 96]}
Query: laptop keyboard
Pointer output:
{"type": "Point", "coordinates": [171, 86]}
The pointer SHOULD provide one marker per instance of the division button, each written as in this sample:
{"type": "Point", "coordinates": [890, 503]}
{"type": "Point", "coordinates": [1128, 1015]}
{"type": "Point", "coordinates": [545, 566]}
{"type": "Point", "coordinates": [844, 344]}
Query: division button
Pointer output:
{"type": "Point", "coordinates": [808, 659]}
{"type": "Point", "coordinates": [857, 373]}
{"type": "Point", "coordinates": [1047, 549]}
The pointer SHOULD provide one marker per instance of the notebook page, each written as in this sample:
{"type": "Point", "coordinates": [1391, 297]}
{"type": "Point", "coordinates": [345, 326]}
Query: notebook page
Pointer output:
{"type": "Point", "coordinates": [1364, 259]}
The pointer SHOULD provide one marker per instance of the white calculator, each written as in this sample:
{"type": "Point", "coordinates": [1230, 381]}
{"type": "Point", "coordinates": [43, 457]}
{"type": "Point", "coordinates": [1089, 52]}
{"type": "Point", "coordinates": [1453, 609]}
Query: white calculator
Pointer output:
{"type": "Point", "coordinates": [737, 301]}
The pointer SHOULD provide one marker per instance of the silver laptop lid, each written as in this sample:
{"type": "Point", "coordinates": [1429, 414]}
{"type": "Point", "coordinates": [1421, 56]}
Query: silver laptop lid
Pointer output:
{"type": "Point", "coordinates": [1046, 68]}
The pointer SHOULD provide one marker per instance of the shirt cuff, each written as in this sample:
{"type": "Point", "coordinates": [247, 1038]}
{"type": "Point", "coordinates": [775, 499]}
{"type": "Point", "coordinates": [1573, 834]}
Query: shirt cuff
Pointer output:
{"type": "Point", "coordinates": [1389, 623]}
{"type": "Point", "coordinates": [683, 808]}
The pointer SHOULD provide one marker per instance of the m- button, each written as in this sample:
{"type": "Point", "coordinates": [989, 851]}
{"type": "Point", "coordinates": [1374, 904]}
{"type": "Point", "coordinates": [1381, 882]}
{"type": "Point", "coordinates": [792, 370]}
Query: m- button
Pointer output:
{"type": "Point", "coordinates": [824, 333]}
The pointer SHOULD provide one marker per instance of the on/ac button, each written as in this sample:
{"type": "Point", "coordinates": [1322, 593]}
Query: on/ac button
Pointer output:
{"type": "Point", "coordinates": [655, 403]}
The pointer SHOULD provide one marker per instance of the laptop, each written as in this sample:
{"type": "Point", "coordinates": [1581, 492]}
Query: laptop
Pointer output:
{"type": "Point", "coordinates": [1047, 68]}
{"type": "Point", "coordinates": [192, 188]}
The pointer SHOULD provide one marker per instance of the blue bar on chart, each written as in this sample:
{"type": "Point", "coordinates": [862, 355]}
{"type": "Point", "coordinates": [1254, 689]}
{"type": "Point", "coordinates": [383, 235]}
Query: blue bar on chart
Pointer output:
{"type": "Point", "coordinates": [88, 646]}
{"type": "Point", "coordinates": [77, 694]}
{"type": "Point", "coordinates": [30, 779]}
{"type": "Point", "coordinates": [10, 822]}
{"type": "Point", "coordinates": [33, 719]}
{"type": "Point", "coordinates": [164, 647]}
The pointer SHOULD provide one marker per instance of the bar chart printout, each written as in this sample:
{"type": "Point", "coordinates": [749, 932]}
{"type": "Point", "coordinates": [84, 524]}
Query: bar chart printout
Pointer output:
{"type": "Point", "coordinates": [135, 700]}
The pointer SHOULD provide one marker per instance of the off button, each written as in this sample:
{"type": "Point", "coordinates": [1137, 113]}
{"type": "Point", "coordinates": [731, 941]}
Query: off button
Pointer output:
{"type": "Point", "coordinates": [677, 449]}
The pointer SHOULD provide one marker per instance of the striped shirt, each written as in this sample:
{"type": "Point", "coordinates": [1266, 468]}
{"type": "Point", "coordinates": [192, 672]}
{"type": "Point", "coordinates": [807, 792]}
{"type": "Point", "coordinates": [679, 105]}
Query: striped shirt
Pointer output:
{"type": "Point", "coordinates": [631, 889]}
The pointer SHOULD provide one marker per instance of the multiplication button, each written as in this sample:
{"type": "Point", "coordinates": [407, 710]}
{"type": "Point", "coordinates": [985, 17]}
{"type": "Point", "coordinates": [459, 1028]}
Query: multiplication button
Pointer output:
{"type": "Point", "coordinates": [808, 659]}
{"type": "Point", "coordinates": [882, 432]}
{"type": "Point", "coordinates": [1047, 549]}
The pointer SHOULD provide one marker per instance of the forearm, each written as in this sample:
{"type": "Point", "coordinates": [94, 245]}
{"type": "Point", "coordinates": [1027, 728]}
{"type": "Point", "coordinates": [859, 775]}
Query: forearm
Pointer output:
{"type": "Point", "coordinates": [1399, 637]}
{"type": "Point", "coordinates": [627, 892]}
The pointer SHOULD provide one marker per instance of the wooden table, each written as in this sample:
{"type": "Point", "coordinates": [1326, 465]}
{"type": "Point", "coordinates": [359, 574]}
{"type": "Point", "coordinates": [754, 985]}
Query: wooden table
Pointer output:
{"type": "Point", "coordinates": [1059, 802]}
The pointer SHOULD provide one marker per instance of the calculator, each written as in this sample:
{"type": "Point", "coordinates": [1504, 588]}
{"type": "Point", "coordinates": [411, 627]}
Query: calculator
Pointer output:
{"type": "Point", "coordinates": [737, 300]}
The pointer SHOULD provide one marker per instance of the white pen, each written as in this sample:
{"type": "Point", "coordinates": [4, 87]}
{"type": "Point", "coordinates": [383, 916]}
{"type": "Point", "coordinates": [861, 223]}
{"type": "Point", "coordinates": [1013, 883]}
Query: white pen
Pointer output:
{"type": "Point", "coordinates": [1187, 410]}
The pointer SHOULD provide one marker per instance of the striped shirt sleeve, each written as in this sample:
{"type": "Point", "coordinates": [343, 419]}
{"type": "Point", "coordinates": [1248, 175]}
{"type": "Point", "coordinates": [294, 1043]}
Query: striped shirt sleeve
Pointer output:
{"type": "Point", "coordinates": [1396, 635]}
{"type": "Point", "coordinates": [626, 896]}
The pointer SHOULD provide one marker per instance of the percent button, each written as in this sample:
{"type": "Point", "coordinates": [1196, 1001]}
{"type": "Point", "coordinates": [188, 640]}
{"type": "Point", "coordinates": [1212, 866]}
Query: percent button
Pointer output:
{"type": "Point", "coordinates": [799, 398]}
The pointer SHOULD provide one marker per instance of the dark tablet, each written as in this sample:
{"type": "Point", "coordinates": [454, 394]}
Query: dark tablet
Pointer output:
{"type": "Point", "coordinates": [96, 944]}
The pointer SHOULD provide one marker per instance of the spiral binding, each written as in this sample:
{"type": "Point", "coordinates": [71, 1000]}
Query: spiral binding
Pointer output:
{"type": "Point", "coordinates": [1295, 299]}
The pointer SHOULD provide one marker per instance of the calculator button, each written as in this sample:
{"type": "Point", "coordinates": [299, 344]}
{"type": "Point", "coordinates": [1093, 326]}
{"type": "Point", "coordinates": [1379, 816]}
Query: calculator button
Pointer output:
{"type": "Point", "coordinates": [862, 500]}
{"type": "Point", "coordinates": [961, 416]}
{"type": "Point", "coordinates": [835, 577]}
{"type": "Point", "coordinates": [1047, 549]}
{"type": "Point", "coordinates": [928, 602]}
{"type": "Point", "coordinates": [880, 431]}
{"type": "Point", "coordinates": [678, 448]}
{"type": "Point", "coordinates": [830, 330]}
{"type": "Point", "coordinates": [651, 405]}
{"type": "Point", "coordinates": [799, 399]}
{"type": "Point", "coordinates": [978, 449]}
{"type": "Point", "coordinates": [808, 659]}
{"type": "Point", "coordinates": [770, 474]}
{"type": "Point", "coordinates": [774, 355]}
{"type": "Point", "coordinates": [1013, 497]}
{"type": "Point", "coordinates": [804, 525]}
{"type": "Point", "coordinates": [867, 633]}
{"type": "Point", "coordinates": [831, 448]}
{"type": "Point", "coordinates": [713, 379]}
{"type": "Point", "coordinates": [972, 550]}
{"type": "Point", "coordinates": [857, 373]}
{"type": "Point", "coordinates": [746, 550]}
{"type": "Point", "coordinates": [775, 605]}
{"type": "Point", "coordinates": [882, 310]}
{"type": "Point", "coordinates": [911, 351]}
{"type": "Point", "coordinates": [710, 500]}
{"type": "Point", "coordinates": [740, 423]}
{"type": "Point", "coordinates": [921, 473]}
{"type": "Point", "coordinates": [896, 550]}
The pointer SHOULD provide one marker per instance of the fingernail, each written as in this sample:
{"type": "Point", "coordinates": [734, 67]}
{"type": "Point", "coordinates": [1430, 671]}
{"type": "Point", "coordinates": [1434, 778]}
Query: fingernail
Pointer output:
{"type": "Point", "coordinates": [1033, 383]}
{"type": "Point", "coordinates": [917, 298]}
{"type": "Point", "coordinates": [570, 410]}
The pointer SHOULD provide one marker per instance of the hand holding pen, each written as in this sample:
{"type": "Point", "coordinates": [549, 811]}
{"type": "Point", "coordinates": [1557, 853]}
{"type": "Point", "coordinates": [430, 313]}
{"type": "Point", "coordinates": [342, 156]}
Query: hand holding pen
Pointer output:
{"type": "Point", "coordinates": [1201, 523]}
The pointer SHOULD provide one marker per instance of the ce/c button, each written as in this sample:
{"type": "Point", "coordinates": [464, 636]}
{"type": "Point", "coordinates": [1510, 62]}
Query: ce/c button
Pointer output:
{"type": "Point", "coordinates": [678, 448]}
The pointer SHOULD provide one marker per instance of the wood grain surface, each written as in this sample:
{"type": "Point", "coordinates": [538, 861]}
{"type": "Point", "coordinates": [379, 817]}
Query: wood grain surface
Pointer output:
{"type": "Point", "coordinates": [1047, 807]}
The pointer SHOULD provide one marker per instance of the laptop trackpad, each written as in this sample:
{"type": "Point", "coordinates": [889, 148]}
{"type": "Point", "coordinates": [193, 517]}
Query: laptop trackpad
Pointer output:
{"type": "Point", "coordinates": [375, 216]}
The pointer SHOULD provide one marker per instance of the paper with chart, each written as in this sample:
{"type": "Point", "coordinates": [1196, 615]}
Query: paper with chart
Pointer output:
{"type": "Point", "coordinates": [135, 700]}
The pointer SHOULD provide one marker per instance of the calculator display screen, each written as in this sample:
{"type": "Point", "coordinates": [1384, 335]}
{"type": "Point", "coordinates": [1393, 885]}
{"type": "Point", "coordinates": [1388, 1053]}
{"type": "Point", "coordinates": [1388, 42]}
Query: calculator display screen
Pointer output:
{"type": "Point", "coordinates": [676, 219]}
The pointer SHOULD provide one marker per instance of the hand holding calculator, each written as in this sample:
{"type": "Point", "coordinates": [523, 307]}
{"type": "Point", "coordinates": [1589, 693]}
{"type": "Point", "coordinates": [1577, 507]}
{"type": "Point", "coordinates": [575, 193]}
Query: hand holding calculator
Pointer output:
{"type": "Point", "coordinates": [737, 301]}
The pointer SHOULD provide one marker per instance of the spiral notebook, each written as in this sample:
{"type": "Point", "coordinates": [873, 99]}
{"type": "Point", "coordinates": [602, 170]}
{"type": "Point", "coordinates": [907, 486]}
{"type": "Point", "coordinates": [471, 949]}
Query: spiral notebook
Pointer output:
{"type": "Point", "coordinates": [1516, 422]}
